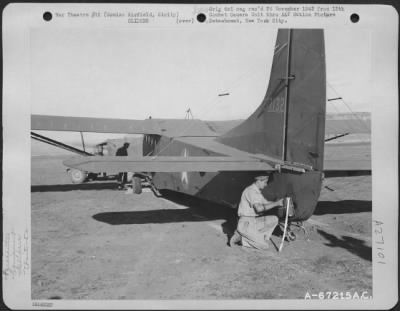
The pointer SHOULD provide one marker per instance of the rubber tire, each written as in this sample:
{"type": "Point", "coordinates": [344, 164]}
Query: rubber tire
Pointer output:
{"type": "Point", "coordinates": [137, 185]}
{"type": "Point", "coordinates": [291, 237]}
{"type": "Point", "coordinates": [77, 176]}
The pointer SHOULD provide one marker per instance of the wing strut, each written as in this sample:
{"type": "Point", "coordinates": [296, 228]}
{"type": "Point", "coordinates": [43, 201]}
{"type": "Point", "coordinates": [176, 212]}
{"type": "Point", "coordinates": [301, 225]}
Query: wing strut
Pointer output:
{"type": "Point", "coordinates": [58, 144]}
{"type": "Point", "coordinates": [83, 142]}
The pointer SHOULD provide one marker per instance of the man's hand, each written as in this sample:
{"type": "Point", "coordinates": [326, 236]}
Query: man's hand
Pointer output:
{"type": "Point", "coordinates": [260, 208]}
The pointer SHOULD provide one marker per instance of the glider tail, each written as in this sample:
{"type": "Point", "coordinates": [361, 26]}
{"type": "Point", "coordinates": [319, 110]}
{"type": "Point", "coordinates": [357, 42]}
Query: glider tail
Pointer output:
{"type": "Point", "coordinates": [289, 124]}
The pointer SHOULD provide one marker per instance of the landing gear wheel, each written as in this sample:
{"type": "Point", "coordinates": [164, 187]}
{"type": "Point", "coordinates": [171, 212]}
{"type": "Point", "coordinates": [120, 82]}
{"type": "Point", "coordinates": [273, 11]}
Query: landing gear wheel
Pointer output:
{"type": "Point", "coordinates": [137, 185]}
{"type": "Point", "coordinates": [291, 236]}
{"type": "Point", "coordinates": [77, 176]}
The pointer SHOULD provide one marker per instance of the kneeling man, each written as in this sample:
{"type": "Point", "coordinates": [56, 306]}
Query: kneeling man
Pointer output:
{"type": "Point", "coordinates": [255, 229]}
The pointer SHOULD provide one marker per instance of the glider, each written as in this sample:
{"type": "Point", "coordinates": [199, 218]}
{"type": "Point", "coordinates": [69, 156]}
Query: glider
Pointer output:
{"type": "Point", "coordinates": [215, 160]}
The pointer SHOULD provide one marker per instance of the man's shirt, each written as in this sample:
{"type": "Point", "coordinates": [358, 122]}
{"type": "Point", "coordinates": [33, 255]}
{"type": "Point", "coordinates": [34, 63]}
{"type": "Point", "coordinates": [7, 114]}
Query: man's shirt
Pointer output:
{"type": "Point", "coordinates": [250, 196]}
{"type": "Point", "coordinates": [122, 152]}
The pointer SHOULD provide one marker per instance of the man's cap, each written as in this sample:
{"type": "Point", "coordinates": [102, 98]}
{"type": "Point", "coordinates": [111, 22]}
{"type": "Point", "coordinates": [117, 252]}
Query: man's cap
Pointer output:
{"type": "Point", "coordinates": [262, 177]}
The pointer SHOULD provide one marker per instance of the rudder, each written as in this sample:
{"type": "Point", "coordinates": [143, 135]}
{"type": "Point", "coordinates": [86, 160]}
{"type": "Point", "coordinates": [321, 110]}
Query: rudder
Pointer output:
{"type": "Point", "coordinates": [289, 124]}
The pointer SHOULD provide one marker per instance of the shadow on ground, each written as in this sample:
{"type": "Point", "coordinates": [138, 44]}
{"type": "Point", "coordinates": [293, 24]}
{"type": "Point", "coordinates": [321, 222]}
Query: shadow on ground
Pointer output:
{"type": "Point", "coordinates": [154, 217]}
{"type": "Point", "coordinates": [353, 245]}
{"type": "Point", "coordinates": [197, 211]}
{"type": "Point", "coordinates": [72, 187]}
{"type": "Point", "coordinates": [343, 207]}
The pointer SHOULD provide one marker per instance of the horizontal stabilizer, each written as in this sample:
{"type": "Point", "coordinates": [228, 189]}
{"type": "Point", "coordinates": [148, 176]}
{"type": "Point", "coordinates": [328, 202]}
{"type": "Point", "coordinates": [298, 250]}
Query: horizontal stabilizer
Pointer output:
{"type": "Point", "coordinates": [111, 164]}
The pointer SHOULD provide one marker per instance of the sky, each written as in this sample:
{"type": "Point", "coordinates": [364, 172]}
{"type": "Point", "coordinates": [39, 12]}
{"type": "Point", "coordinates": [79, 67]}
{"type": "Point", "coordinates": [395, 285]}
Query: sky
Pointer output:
{"type": "Point", "coordinates": [161, 72]}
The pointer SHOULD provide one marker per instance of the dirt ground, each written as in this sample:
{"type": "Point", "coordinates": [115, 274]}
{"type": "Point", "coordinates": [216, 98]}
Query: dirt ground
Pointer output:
{"type": "Point", "coordinates": [92, 241]}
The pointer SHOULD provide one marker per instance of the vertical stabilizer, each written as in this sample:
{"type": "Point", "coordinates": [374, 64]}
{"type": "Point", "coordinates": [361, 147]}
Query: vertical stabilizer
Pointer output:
{"type": "Point", "coordinates": [290, 122]}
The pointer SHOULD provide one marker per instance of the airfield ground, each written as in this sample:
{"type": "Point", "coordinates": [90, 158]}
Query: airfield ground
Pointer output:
{"type": "Point", "coordinates": [93, 242]}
